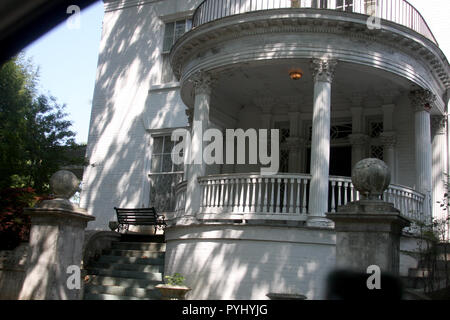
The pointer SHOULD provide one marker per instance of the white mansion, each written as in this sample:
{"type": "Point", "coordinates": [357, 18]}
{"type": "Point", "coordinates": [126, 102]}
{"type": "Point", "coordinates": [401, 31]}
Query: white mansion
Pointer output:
{"type": "Point", "coordinates": [342, 80]}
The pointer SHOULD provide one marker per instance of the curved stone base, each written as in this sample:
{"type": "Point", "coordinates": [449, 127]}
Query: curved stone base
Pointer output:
{"type": "Point", "coordinates": [249, 261]}
{"type": "Point", "coordinates": [235, 261]}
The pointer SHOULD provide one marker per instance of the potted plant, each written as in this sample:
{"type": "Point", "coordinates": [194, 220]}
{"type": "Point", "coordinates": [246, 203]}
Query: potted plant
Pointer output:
{"type": "Point", "coordinates": [174, 288]}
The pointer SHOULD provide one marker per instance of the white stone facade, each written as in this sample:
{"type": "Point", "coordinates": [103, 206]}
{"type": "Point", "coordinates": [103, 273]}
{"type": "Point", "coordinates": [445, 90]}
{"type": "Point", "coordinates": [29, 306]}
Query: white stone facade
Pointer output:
{"type": "Point", "coordinates": [249, 58]}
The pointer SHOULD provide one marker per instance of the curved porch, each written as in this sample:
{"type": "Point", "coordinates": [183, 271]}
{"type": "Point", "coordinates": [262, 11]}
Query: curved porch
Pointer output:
{"type": "Point", "coordinates": [282, 197]}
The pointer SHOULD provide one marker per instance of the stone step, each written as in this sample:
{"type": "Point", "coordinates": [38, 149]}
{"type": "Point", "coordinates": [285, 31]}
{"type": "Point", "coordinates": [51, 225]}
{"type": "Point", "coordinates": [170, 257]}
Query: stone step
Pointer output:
{"type": "Point", "coordinates": [143, 246]}
{"type": "Point", "coordinates": [134, 253]}
{"type": "Point", "coordinates": [127, 260]}
{"type": "Point", "coordinates": [155, 276]}
{"type": "Point", "coordinates": [93, 296]}
{"type": "Point", "coordinates": [158, 268]}
{"type": "Point", "coordinates": [122, 282]}
{"type": "Point", "coordinates": [141, 293]}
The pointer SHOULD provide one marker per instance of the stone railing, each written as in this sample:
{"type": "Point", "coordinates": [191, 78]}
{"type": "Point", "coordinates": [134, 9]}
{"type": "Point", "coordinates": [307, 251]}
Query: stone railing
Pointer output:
{"type": "Point", "coordinates": [408, 201]}
{"type": "Point", "coordinates": [398, 11]}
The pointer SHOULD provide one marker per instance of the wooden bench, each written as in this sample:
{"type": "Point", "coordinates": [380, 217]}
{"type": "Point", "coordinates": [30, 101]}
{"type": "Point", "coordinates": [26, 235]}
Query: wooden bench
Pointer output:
{"type": "Point", "coordinates": [139, 217]}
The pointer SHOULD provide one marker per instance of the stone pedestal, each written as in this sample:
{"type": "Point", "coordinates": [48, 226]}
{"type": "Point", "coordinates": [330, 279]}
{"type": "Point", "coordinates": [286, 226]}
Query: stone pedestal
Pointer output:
{"type": "Point", "coordinates": [368, 233]}
{"type": "Point", "coordinates": [56, 243]}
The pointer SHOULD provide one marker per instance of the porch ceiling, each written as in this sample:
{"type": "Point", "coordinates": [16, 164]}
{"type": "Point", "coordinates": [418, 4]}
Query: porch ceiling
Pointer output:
{"type": "Point", "coordinates": [242, 85]}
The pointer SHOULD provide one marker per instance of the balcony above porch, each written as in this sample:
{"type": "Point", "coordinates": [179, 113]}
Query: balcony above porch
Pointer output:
{"type": "Point", "coordinates": [232, 34]}
{"type": "Point", "coordinates": [398, 11]}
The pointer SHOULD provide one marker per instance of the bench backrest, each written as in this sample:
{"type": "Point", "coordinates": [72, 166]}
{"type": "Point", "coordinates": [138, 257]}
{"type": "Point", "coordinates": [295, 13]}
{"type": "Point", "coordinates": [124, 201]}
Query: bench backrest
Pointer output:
{"type": "Point", "coordinates": [141, 216]}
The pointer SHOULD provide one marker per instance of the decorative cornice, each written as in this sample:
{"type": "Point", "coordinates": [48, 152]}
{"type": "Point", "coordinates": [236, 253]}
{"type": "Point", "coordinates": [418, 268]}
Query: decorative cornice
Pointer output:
{"type": "Point", "coordinates": [421, 100]}
{"type": "Point", "coordinates": [388, 139]}
{"type": "Point", "coordinates": [323, 69]}
{"type": "Point", "coordinates": [258, 23]}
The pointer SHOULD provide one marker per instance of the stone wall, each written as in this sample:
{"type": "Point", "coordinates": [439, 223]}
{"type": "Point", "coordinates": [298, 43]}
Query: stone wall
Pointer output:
{"type": "Point", "coordinates": [247, 262]}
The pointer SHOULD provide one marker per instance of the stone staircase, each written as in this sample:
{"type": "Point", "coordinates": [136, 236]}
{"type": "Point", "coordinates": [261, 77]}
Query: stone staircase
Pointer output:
{"type": "Point", "coordinates": [128, 271]}
{"type": "Point", "coordinates": [422, 281]}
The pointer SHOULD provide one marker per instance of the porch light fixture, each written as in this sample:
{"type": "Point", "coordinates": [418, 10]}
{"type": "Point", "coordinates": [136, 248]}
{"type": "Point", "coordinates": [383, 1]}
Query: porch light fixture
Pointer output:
{"type": "Point", "coordinates": [296, 74]}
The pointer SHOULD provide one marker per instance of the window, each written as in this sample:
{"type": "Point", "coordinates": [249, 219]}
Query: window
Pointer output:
{"type": "Point", "coordinates": [173, 31]}
{"type": "Point", "coordinates": [162, 156]}
{"type": "Point", "coordinates": [344, 5]}
{"type": "Point", "coordinates": [164, 175]}
{"type": "Point", "coordinates": [375, 130]}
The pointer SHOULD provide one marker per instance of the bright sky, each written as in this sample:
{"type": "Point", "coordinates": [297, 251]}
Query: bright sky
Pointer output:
{"type": "Point", "coordinates": [67, 58]}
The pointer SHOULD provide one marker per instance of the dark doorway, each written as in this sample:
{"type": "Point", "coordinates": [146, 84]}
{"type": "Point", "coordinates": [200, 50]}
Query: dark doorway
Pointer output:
{"type": "Point", "coordinates": [340, 161]}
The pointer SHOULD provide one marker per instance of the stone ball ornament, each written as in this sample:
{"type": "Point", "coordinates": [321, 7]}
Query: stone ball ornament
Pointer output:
{"type": "Point", "coordinates": [371, 177]}
{"type": "Point", "coordinates": [64, 184]}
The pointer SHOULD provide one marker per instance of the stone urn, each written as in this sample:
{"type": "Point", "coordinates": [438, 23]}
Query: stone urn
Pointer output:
{"type": "Point", "coordinates": [172, 292]}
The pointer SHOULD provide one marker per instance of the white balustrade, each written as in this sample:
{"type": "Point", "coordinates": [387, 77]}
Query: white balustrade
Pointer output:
{"type": "Point", "coordinates": [285, 194]}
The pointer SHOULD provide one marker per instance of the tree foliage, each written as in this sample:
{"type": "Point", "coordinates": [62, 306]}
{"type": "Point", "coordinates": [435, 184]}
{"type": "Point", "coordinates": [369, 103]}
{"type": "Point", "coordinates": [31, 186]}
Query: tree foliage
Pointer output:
{"type": "Point", "coordinates": [35, 136]}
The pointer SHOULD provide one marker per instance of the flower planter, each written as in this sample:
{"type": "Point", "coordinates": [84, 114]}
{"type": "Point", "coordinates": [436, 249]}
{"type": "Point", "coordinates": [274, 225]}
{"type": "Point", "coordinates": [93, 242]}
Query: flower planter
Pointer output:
{"type": "Point", "coordinates": [173, 292]}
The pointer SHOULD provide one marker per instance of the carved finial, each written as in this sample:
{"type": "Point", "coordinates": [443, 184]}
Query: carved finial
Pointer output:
{"type": "Point", "coordinates": [64, 184]}
{"type": "Point", "coordinates": [371, 177]}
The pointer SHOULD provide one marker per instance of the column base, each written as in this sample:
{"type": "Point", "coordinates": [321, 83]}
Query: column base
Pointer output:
{"type": "Point", "coordinates": [319, 222]}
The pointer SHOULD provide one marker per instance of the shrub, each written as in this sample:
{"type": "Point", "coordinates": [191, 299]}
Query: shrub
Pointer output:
{"type": "Point", "coordinates": [14, 224]}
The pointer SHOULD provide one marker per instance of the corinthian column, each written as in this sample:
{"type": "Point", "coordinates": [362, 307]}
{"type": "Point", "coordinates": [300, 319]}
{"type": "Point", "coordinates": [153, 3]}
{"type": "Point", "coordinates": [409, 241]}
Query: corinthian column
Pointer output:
{"type": "Point", "coordinates": [197, 167]}
{"type": "Point", "coordinates": [421, 101]}
{"type": "Point", "coordinates": [323, 71]}
{"type": "Point", "coordinates": [438, 129]}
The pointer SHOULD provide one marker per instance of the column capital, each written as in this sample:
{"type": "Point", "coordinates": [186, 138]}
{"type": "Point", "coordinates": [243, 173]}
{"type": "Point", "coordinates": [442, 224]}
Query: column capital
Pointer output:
{"type": "Point", "coordinates": [388, 139]}
{"type": "Point", "coordinates": [323, 69]}
{"type": "Point", "coordinates": [358, 139]}
{"type": "Point", "coordinates": [203, 82]}
{"type": "Point", "coordinates": [421, 100]}
{"type": "Point", "coordinates": [438, 124]}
